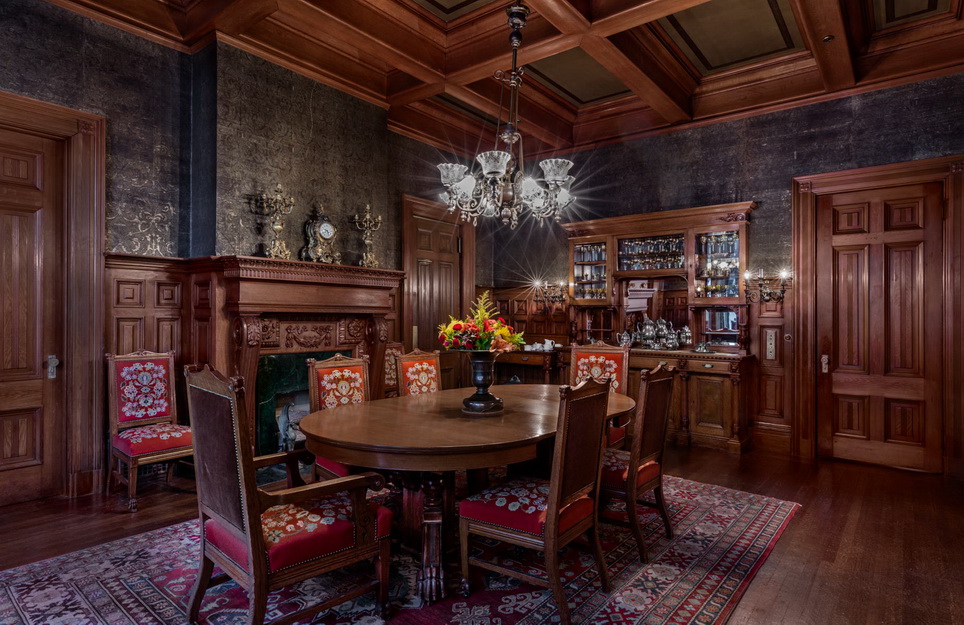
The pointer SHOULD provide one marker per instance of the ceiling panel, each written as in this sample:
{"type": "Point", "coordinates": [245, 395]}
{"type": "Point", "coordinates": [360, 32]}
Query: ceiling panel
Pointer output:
{"type": "Point", "coordinates": [724, 34]}
{"type": "Point", "coordinates": [448, 10]}
{"type": "Point", "coordinates": [889, 13]}
{"type": "Point", "coordinates": [577, 77]}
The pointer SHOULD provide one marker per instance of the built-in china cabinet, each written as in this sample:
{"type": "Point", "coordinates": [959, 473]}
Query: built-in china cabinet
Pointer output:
{"type": "Point", "coordinates": [682, 268]}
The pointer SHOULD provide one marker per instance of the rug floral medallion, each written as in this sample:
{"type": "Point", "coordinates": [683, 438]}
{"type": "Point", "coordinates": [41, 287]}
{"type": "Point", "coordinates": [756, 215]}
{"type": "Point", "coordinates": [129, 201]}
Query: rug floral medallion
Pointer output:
{"type": "Point", "coordinates": [722, 538]}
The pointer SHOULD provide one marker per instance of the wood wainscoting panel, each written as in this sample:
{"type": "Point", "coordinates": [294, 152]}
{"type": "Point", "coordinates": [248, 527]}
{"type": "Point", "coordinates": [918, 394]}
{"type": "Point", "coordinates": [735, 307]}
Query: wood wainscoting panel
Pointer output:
{"type": "Point", "coordinates": [21, 438]}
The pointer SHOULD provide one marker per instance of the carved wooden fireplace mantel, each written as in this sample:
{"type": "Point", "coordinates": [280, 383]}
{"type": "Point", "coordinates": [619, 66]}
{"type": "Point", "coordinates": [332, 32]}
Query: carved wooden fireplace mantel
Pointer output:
{"type": "Point", "coordinates": [246, 307]}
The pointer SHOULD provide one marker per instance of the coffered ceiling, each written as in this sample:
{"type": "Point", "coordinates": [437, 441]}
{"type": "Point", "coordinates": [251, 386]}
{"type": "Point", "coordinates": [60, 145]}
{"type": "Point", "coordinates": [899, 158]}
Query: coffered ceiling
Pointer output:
{"type": "Point", "coordinates": [598, 71]}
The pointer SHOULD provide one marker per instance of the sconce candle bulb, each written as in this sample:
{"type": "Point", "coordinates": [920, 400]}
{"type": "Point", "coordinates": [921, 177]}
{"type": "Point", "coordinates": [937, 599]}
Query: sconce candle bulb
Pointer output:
{"type": "Point", "coordinates": [762, 290]}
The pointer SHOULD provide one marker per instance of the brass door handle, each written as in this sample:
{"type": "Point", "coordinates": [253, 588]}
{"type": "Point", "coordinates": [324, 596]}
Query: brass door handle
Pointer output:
{"type": "Point", "coordinates": [825, 363]}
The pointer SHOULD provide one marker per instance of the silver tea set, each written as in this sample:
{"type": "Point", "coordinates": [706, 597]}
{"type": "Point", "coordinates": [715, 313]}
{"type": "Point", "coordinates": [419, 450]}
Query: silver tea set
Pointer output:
{"type": "Point", "coordinates": [657, 334]}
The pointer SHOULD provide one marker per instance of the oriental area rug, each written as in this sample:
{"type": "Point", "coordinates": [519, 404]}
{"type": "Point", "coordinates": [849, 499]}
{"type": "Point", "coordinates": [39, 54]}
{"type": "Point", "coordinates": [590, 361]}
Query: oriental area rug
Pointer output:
{"type": "Point", "coordinates": [722, 537]}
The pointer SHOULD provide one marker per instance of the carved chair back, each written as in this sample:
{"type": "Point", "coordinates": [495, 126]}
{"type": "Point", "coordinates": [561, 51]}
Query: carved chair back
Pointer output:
{"type": "Point", "coordinates": [337, 381]}
{"type": "Point", "coordinates": [600, 361]}
{"type": "Point", "coordinates": [392, 349]}
{"type": "Point", "coordinates": [652, 415]}
{"type": "Point", "coordinates": [140, 389]}
{"type": "Point", "coordinates": [577, 458]}
{"type": "Point", "coordinates": [418, 373]}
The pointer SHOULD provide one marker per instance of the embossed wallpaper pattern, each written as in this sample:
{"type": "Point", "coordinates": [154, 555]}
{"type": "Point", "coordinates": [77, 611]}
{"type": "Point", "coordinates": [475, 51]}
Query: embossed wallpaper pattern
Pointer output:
{"type": "Point", "coordinates": [55, 55]}
{"type": "Point", "coordinates": [751, 159]}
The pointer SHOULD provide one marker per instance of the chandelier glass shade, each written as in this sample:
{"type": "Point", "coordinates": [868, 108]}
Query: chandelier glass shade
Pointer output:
{"type": "Point", "coordinates": [500, 187]}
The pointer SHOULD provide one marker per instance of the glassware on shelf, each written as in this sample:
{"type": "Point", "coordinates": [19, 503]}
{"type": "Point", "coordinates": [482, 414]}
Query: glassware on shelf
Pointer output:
{"type": "Point", "coordinates": [647, 253]}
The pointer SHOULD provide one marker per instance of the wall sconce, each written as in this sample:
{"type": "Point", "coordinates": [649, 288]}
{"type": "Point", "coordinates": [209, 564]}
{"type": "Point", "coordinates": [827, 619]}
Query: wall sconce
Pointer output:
{"type": "Point", "coordinates": [763, 289]}
{"type": "Point", "coordinates": [550, 293]}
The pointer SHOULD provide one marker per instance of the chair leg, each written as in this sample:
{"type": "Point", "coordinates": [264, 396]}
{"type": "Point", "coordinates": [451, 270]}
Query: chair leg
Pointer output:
{"type": "Point", "coordinates": [600, 558]}
{"type": "Point", "coordinates": [110, 472]}
{"type": "Point", "coordinates": [466, 587]}
{"type": "Point", "coordinates": [259, 604]}
{"type": "Point", "coordinates": [201, 585]}
{"type": "Point", "coordinates": [661, 505]}
{"type": "Point", "coordinates": [170, 471]}
{"type": "Point", "coordinates": [383, 568]}
{"type": "Point", "coordinates": [555, 584]}
{"type": "Point", "coordinates": [132, 486]}
{"type": "Point", "coordinates": [632, 515]}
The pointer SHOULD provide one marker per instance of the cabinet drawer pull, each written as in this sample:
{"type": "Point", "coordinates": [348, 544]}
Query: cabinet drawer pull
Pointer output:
{"type": "Point", "coordinates": [525, 359]}
{"type": "Point", "coordinates": [663, 362]}
{"type": "Point", "coordinates": [708, 366]}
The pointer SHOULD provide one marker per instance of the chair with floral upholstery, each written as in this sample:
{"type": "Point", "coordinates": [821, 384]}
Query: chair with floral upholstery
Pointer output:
{"type": "Point", "coordinates": [334, 382]}
{"type": "Point", "coordinates": [418, 373]}
{"type": "Point", "coordinates": [268, 540]}
{"type": "Point", "coordinates": [546, 515]}
{"type": "Point", "coordinates": [644, 458]}
{"type": "Point", "coordinates": [392, 349]}
{"type": "Point", "coordinates": [143, 417]}
{"type": "Point", "coordinates": [600, 361]}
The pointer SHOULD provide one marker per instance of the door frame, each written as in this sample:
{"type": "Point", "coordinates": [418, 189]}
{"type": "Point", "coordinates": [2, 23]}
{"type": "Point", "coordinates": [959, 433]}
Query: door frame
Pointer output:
{"type": "Point", "coordinates": [948, 170]}
{"type": "Point", "coordinates": [413, 206]}
{"type": "Point", "coordinates": [85, 143]}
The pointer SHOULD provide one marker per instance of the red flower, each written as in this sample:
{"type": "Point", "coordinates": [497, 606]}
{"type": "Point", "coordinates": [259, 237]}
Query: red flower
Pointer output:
{"type": "Point", "coordinates": [455, 343]}
{"type": "Point", "coordinates": [501, 320]}
{"type": "Point", "coordinates": [457, 327]}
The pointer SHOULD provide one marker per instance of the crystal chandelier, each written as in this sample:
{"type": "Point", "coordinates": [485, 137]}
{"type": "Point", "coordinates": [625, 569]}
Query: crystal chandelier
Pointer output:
{"type": "Point", "coordinates": [501, 188]}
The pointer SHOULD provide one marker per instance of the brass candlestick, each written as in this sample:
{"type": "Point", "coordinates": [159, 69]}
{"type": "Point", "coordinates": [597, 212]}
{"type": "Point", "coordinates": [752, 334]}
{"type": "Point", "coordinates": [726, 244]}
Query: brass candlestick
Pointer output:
{"type": "Point", "coordinates": [368, 225]}
{"type": "Point", "coordinates": [274, 208]}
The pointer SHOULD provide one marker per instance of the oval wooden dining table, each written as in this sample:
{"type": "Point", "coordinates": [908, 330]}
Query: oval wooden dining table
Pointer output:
{"type": "Point", "coordinates": [428, 437]}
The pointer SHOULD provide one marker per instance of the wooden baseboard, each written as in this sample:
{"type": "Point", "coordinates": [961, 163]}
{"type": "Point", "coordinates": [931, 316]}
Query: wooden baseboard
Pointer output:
{"type": "Point", "coordinates": [771, 439]}
{"type": "Point", "coordinates": [82, 483]}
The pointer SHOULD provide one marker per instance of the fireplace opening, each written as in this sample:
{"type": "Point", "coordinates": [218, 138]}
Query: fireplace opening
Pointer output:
{"type": "Point", "coordinates": [282, 398]}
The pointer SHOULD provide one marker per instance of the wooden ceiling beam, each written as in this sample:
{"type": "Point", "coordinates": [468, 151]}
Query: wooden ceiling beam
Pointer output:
{"type": "Point", "coordinates": [414, 94]}
{"type": "Point", "coordinates": [480, 57]}
{"type": "Point", "coordinates": [563, 15]}
{"type": "Point", "coordinates": [823, 27]}
{"type": "Point", "coordinates": [228, 16]}
{"type": "Point", "coordinates": [548, 129]}
{"type": "Point", "coordinates": [343, 20]}
{"type": "Point", "coordinates": [615, 16]}
{"type": "Point", "coordinates": [672, 108]}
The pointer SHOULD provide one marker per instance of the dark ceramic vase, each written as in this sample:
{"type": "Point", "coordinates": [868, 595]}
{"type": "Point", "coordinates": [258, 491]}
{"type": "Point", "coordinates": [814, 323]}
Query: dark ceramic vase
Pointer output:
{"type": "Point", "coordinates": [482, 402]}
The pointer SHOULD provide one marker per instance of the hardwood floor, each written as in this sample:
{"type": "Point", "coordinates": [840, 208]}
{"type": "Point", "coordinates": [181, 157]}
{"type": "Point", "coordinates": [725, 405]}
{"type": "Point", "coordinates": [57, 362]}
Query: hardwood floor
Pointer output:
{"type": "Point", "coordinates": [869, 545]}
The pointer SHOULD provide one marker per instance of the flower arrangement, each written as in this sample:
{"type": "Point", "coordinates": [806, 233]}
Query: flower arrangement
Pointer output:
{"type": "Point", "coordinates": [482, 330]}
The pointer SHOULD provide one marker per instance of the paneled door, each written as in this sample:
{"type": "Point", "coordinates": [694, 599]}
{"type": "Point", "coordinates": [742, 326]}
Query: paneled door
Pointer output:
{"type": "Point", "coordinates": [439, 263]}
{"type": "Point", "coordinates": [32, 444]}
{"type": "Point", "coordinates": [879, 325]}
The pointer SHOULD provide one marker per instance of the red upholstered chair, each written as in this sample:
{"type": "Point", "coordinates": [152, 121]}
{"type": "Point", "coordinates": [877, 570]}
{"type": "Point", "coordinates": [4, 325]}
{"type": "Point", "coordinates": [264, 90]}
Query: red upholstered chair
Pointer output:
{"type": "Point", "coordinates": [548, 514]}
{"type": "Point", "coordinates": [268, 540]}
{"type": "Point", "coordinates": [392, 349]}
{"type": "Point", "coordinates": [335, 382]}
{"type": "Point", "coordinates": [418, 372]}
{"type": "Point", "coordinates": [143, 417]}
{"type": "Point", "coordinates": [644, 460]}
{"type": "Point", "coordinates": [600, 361]}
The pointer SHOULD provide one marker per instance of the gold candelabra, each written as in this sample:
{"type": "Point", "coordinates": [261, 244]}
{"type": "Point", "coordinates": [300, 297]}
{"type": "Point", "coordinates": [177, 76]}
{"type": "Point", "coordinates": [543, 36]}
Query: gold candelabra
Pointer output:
{"type": "Point", "coordinates": [763, 289]}
{"type": "Point", "coordinates": [368, 224]}
{"type": "Point", "coordinates": [274, 208]}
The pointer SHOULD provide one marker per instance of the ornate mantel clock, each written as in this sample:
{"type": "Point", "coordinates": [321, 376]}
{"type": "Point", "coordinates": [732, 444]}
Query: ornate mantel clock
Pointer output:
{"type": "Point", "coordinates": [320, 232]}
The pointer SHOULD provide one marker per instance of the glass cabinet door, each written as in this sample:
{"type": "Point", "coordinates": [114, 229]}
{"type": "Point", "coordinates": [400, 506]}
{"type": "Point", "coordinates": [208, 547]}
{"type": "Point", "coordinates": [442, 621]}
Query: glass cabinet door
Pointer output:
{"type": "Point", "coordinates": [717, 265]}
{"type": "Point", "coordinates": [589, 276]}
{"type": "Point", "coordinates": [659, 253]}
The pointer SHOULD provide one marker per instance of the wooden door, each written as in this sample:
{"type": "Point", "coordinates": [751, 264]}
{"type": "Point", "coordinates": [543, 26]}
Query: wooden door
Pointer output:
{"type": "Point", "coordinates": [879, 325]}
{"type": "Point", "coordinates": [32, 430]}
{"type": "Point", "coordinates": [439, 278]}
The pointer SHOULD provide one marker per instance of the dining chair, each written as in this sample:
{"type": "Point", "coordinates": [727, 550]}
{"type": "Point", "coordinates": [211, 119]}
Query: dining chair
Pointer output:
{"type": "Point", "coordinates": [628, 475]}
{"type": "Point", "coordinates": [547, 515]}
{"type": "Point", "coordinates": [600, 361]}
{"type": "Point", "coordinates": [142, 410]}
{"type": "Point", "coordinates": [334, 382]}
{"type": "Point", "coordinates": [392, 349]}
{"type": "Point", "coordinates": [268, 540]}
{"type": "Point", "coordinates": [418, 372]}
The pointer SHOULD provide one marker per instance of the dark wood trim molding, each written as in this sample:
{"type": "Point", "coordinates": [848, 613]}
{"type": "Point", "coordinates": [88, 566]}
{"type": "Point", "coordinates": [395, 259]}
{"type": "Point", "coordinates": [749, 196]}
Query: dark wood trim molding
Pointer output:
{"type": "Point", "coordinates": [948, 170]}
{"type": "Point", "coordinates": [84, 136]}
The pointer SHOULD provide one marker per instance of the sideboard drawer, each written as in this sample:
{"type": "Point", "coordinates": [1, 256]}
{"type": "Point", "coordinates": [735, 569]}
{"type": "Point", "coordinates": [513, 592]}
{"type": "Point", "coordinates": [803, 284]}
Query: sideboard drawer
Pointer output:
{"type": "Point", "coordinates": [696, 366]}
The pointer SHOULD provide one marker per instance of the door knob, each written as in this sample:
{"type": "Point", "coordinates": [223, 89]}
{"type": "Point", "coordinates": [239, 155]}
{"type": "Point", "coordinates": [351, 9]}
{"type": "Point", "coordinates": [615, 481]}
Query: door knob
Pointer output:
{"type": "Point", "coordinates": [52, 363]}
{"type": "Point", "coordinates": [825, 363]}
